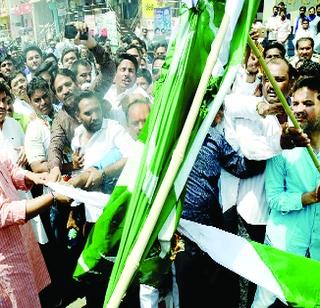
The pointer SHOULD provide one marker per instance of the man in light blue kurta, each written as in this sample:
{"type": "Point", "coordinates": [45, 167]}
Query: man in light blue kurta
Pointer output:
{"type": "Point", "coordinates": [292, 226]}
{"type": "Point", "coordinates": [292, 188]}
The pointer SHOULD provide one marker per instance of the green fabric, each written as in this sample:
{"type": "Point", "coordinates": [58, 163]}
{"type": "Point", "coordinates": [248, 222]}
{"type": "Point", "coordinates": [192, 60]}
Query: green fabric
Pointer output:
{"type": "Point", "coordinates": [239, 41]}
{"type": "Point", "coordinates": [174, 92]}
{"type": "Point", "coordinates": [182, 70]}
{"type": "Point", "coordinates": [297, 276]}
{"type": "Point", "coordinates": [22, 119]}
{"type": "Point", "coordinates": [106, 233]}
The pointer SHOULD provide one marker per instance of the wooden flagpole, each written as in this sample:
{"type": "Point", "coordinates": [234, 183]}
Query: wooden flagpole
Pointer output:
{"type": "Point", "coordinates": [135, 256]}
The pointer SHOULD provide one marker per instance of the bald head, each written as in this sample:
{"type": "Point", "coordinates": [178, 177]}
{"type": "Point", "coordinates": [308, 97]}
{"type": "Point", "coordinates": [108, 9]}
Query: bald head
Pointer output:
{"type": "Point", "coordinates": [280, 69]}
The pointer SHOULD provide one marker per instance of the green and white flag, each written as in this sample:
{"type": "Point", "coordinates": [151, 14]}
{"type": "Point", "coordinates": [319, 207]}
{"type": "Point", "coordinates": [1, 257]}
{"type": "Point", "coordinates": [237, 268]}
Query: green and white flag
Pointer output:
{"type": "Point", "coordinates": [291, 278]}
{"type": "Point", "coordinates": [116, 231]}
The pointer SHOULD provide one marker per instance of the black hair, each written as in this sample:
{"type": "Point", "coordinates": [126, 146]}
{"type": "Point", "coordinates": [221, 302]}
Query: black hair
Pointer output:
{"type": "Point", "coordinates": [31, 48]}
{"type": "Point", "coordinates": [127, 38]}
{"type": "Point", "coordinates": [5, 57]}
{"type": "Point", "coordinates": [142, 43]}
{"type": "Point", "coordinates": [79, 95]}
{"type": "Point", "coordinates": [132, 46]}
{"type": "Point", "coordinates": [13, 75]}
{"type": "Point", "coordinates": [65, 72]}
{"type": "Point", "coordinates": [274, 45]}
{"type": "Point", "coordinates": [37, 83]}
{"type": "Point", "coordinates": [50, 55]}
{"type": "Point", "coordinates": [76, 64]}
{"type": "Point", "coordinates": [45, 67]}
{"type": "Point", "coordinates": [312, 83]}
{"type": "Point", "coordinates": [302, 39]}
{"type": "Point", "coordinates": [125, 56]}
{"type": "Point", "coordinates": [67, 50]}
{"type": "Point", "coordinates": [160, 44]}
{"type": "Point", "coordinates": [291, 70]}
{"type": "Point", "coordinates": [145, 73]}
{"type": "Point", "coordinates": [309, 68]}
{"type": "Point", "coordinates": [4, 88]}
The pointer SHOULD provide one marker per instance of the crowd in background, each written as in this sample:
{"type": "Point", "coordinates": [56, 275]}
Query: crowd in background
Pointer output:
{"type": "Point", "coordinates": [283, 28]}
{"type": "Point", "coordinates": [72, 111]}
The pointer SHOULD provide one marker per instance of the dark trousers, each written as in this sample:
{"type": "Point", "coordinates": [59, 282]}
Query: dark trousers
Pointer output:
{"type": "Point", "coordinates": [199, 278]}
{"type": "Point", "coordinates": [257, 234]}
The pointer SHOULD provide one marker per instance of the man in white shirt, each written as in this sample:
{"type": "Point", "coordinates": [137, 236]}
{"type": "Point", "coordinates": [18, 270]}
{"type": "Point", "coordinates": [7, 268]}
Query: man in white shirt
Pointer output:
{"type": "Point", "coordinates": [314, 20]}
{"type": "Point", "coordinates": [124, 82]}
{"type": "Point", "coordinates": [283, 29]}
{"type": "Point", "coordinates": [33, 56]}
{"type": "Point", "coordinates": [304, 50]}
{"type": "Point", "coordinates": [11, 134]}
{"type": "Point", "coordinates": [272, 25]}
{"type": "Point", "coordinates": [304, 31]}
{"type": "Point", "coordinates": [18, 84]}
{"type": "Point", "coordinates": [96, 136]}
{"type": "Point", "coordinates": [37, 136]}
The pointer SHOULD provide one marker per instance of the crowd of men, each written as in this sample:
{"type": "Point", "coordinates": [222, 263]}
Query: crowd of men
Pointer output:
{"type": "Point", "coordinates": [282, 28]}
{"type": "Point", "coordinates": [75, 116]}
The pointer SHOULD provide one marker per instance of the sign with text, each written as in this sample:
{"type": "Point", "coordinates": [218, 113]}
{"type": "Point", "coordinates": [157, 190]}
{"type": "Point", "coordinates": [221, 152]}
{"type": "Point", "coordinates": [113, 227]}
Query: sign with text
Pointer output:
{"type": "Point", "coordinates": [148, 7]}
{"type": "Point", "coordinates": [162, 19]}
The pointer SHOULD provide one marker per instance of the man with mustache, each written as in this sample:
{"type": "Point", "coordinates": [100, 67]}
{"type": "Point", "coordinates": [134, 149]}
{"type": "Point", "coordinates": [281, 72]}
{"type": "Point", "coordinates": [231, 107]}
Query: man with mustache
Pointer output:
{"type": "Point", "coordinates": [96, 135]}
{"type": "Point", "coordinates": [18, 85]}
{"type": "Point", "coordinates": [63, 125]}
{"type": "Point", "coordinates": [94, 139]}
{"type": "Point", "coordinates": [292, 187]}
{"type": "Point", "coordinates": [259, 132]}
{"type": "Point", "coordinates": [304, 50]}
{"type": "Point", "coordinates": [124, 83]}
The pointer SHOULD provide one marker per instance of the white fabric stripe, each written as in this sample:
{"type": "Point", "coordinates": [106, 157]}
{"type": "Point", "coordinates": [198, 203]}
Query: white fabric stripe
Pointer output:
{"type": "Point", "coordinates": [94, 198]}
{"type": "Point", "coordinates": [233, 9]}
{"type": "Point", "coordinates": [165, 234]}
{"type": "Point", "coordinates": [233, 252]}
{"type": "Point", "coordinates": [129, 173]}
{"type": "Point", "coordinates": [83, 264]}
{"type": "Point", "coordinates": [94, 202]}
{"type": "Point", "coordinates": [149, 184]}
{"type": "Point", "coordinates": [227, 249]}
{"type": "Point", "coordinates": [211, 12]}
